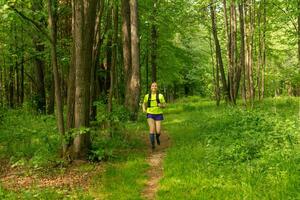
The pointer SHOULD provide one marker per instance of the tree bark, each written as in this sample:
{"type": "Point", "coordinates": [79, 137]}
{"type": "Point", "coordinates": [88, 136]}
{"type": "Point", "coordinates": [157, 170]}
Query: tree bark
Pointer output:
{"type": "Point", "coordinates": [242, 51]}
{"type": "Point", "coordinates": [154, 37]}
{"type": "Point", "coordinates": [298, 32]}
{"type": "Point", "coordinates": [114, 56]}
{"type": "Point", "coordinates": [126, 40]}
{"type": "Point", "coordinates": [218, 51]}
{"type": "Point", "coordinates": [85, 14]}
{"type": "Point", "coordinates": [95, 59]}
{"type": "Point", "coordinates": [71, 79]}
{"type": "Point", "coordinates": [52, 11]}
{"type": "Point", "coordinates": [134, 87]}
{"type": "Point", "coordinates": [11, 87]}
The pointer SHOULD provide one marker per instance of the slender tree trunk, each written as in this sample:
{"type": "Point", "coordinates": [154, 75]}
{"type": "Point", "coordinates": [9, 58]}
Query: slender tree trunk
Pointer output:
{"type": "Point", "coordinates": [22, 79]}
{"type": "Point", "coordinates": [1, 87]}
{"type": "Point", "coordinates": [218, 51]}
{"type": "Point", "coordinates": [39, 77]}
{"type": "Point", "coordinates": [264, 50]}
{"type": "Point", "coordinates": [52, 11]}
{"type": "Point", "coordinates": [17, 76]}
{"type": "Point", "coordinates": [249, 47]}
{"type": "Point", "coordinates": [233, 71]}
{"type": "Point", "coordinates": [85, 16]}
{"type": "Point", "coordinates": [147, 61]}
{"type": "Point", "coordinates": [259, 55]}
{"type": "Point", "coordinates": [71, 80]}
{"type": "Point", "coordinates": [228, 47]}
{"type": "Point", "coordinates": [11, 87]}
{"type": "Point", "coordinates": [216, 79]}
{"type": "Point", "coordinates": [134, 87]}
{"type": "Point", "coordinates": [154, 37]}
{"type": "Point", "coordinates": [114, 56]}
{"type": "Point", "coordinates": [298, 33]}
{"type": "Point", "coordinates": [50, 109]}
{"type": "Point", "coordinates": [40, 63]}
{"type": "Point", "coordinates": [95, 59]}
{"type": "Point", "coordinates": [242, 51]}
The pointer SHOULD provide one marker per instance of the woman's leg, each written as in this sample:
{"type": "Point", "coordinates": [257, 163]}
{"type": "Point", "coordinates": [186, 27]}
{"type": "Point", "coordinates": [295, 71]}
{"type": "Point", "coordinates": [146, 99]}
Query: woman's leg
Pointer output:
{"type": "Point", "coordinates": [158, 130]}
{"type": "Point", "coordinates": [151, 124]}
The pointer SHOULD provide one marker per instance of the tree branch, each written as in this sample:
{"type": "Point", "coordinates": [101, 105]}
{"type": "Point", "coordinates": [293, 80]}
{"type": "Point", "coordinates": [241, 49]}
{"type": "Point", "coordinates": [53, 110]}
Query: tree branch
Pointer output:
{"type": "Point", "coordinates": [36, 25]}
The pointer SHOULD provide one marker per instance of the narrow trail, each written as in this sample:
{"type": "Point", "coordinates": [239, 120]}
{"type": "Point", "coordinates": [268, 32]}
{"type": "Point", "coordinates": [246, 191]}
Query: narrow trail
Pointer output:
{"type": "Point", "coordinates": [155, 160]}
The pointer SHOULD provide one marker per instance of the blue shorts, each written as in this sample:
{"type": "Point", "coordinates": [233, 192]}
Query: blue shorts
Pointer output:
{"type": "Point", "coordinates": [156, 117]}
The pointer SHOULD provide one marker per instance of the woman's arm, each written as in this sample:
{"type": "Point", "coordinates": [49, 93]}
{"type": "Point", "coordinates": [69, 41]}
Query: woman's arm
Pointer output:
{"type": "Point", "coordinates": [162, 105]}
{"type": "Point", "coordinates": [144, 107]}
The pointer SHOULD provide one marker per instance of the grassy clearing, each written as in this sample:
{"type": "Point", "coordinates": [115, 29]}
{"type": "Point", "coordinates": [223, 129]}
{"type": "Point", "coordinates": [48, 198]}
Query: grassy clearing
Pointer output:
{"type": "Point", "coordinates": [231, 153]}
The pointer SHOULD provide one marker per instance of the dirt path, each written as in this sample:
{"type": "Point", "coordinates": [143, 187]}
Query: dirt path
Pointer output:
{"type": "Point", "coordinates": [155, 160]}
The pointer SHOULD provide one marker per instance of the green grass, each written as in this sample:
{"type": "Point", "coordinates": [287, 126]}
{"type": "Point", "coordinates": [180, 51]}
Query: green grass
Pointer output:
{"type": "Point", "coordinates": [217, 153]}
{"type": "Point", "coordinates": [231, 153]}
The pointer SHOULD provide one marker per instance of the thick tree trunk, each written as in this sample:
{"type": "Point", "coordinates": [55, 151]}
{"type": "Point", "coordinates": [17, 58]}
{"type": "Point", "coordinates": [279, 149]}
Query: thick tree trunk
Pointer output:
{"type": "Point", "coordinates": [85, 14]}
{"type": "Point", "coordinates": [126, 40]}
{"type": "Point", "coordinates": [134, 87]}
{"type": "Point", "coordinates": [52, 11]}
{"type": "Point", "coordinates": [218, 52]}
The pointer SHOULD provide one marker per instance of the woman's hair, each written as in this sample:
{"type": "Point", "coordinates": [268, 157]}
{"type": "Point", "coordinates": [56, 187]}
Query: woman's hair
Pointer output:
{"type": "Point", "coordinates": [153, 83]}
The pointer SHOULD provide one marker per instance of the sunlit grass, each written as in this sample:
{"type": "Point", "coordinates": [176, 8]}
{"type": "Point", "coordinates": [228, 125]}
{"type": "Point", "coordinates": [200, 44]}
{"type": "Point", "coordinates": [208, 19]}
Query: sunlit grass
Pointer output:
{"type": "Point", "coordinates": [232, 153]}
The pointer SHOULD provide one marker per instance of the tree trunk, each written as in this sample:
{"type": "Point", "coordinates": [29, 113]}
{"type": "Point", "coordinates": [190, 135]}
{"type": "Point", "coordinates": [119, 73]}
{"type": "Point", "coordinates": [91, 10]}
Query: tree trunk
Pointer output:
{"type": "Point", "coordinates": [1, 87]}
{"type": "Point", "coordinates": [85, 14]}
{"type": "Point", "coordinates": [134, 87]}
{"type": "Point", "coordinates": [40, 64]}
{"type": "Point", "coordinates": [39, 77]}
{"type": "Point", "coordinates": [11, 87]}
{"type": "Point", "coordinates": [71, 80]}
{"type": "Point", "coordinates": [52, 11]}
{"type": "Point", "coordinates": [249, 47]}
{"type": "Point", "coordinates": [114, 56]}
{"type": "Point", "coordinates": [22, 79]}
{"type": "Point", "coordinates": [95, 59]}
{"type": "Point", "coordinates": [298, 33]}
{"type": "Point", "coordinates": [259, 55]}
{"type": "Point", "coordinates": [264, 51]}
{"type": "Point", "coordinates": [154, 37]}
{"type": "Point", "coordinates": [126, 40]}
{"type": "Point", "coordinates": [216, 74]}
{"type": "Point", "coordinates": [50, 109]}
{"type": "Point", "coordinates": [218, 51]}
{"type": "Point", "coordinates": [242, 51]}
{"type": "Point", "coordinates": [232, 71]}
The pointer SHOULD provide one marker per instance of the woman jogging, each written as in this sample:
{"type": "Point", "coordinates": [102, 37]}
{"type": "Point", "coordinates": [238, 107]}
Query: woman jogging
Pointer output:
{"type": "Point", "coordinates": [152, 105]}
